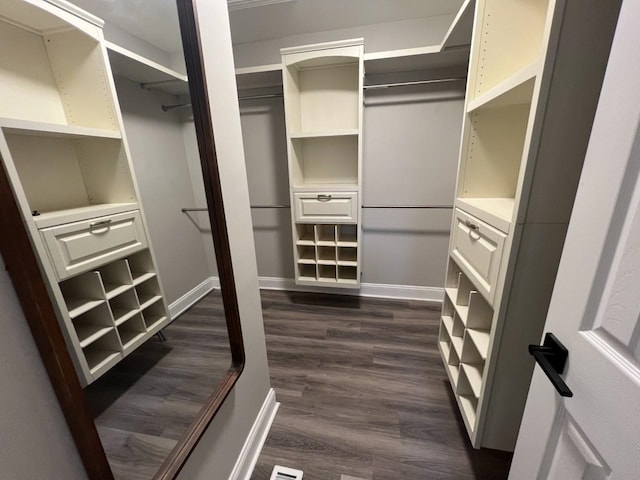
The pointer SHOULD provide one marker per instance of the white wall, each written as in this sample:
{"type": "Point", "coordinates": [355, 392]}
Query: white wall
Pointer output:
{"type": "Point", "coordinates": [159, 158]}
{"type": "Point", "coordinates": [35, 442]}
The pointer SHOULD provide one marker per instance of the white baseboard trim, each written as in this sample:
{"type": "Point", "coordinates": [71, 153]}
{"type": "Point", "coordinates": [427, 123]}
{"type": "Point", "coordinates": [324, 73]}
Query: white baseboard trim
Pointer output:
{"type": "Point", "coordinates": [253, 445]}
{"type": "Point", "coordinates": [194, 295]}
{"type": "Point", "coordinates": [404, 292]}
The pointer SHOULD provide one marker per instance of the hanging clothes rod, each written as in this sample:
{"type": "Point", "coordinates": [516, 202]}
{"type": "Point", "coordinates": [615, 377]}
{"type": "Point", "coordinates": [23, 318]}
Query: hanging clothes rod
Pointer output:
{"type": "Point", "coordinates": [446, 207]}
{"type": "Point", "coordinates": [258, 97]}
{"type": "Point", "coordinates": [166, 108]}
{"type": "Point", "coordinates": [185, 210]}
{"type": "Point", "coordinates": [418, 82]}
{"type": "Point", "coordinates": [410, 206]}
{"type": "Point", "coordinates": [161, 83]}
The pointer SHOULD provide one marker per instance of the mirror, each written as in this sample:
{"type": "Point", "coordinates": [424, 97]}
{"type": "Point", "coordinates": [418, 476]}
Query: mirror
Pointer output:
{"type": "Point", "coordinates": [121, 257]}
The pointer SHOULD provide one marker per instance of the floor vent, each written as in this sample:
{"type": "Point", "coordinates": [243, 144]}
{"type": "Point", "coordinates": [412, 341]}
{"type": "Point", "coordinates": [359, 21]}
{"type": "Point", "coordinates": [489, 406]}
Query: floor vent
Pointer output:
{"type": "Point", "coordinates": [284, 473]}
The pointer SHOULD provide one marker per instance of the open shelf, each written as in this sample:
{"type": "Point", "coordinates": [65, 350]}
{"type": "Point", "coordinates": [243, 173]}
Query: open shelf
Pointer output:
{"type": "Point", "coordinates": [87, 334]}
{"type": "Point", "coordinates": [493, 154]}
{"type": "Point", "coordinates": [508, 40]}
{"type": "Point", "coordinates": [325, 160]}
{"type": "Point", "coordinates": [347, 256]}
{"type": "Point", "coordinates": [141, 267]}
{"type": "Point", "coordinates": [307, 255]}
{"type": "Point", "coordinates": [347, 235]}
{"type": "Point", "coordinates": [132, 333]}
{"type": "Point", "coordinates": [307, 273]}
{"type": "Point", "coordinates": [514, 90]}
{"type": "Point", "coordinates": [124, 306]}
{"type": "Point", "coordinates": [469, 405]}
{"type": "Point", "coordinates": [31, 128]}
{"type": "Point", "coordinates": [137, 68]}
{"type": "Point", "coordinates": [326, 235]}
{"type": "Point", "coordinates": [83, 293]}
{"type": "Point", "coordinates": [50, 71]}
{"type": "Point", "coordinates": [68, 178]}
{"type": "Point", "coordinates": [148, 293]}
{"type": "Point", "coordinates": [347, 274]}
{"type": "Point", "coordinates": [259, 76]}
{"type": "Point", "coordinates": [325, 133]}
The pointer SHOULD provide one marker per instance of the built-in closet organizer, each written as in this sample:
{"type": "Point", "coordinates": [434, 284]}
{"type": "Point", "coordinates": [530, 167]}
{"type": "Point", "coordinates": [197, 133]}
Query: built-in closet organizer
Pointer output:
{"type": "Point", "coordinates": [63, 148]}
{"type": "Point", "coordinates": [323, 111]}
{"type": "Point", "coordinates": [525, 132]}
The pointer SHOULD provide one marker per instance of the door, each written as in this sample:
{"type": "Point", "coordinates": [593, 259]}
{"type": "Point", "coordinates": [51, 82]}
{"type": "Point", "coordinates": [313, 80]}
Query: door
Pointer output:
{"type": "Point", "coordinates": [595, 307]}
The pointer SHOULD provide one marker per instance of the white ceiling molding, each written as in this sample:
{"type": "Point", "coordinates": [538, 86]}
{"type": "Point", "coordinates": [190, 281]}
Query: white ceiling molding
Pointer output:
{"type": "Point", "coordinates": [241, 4]}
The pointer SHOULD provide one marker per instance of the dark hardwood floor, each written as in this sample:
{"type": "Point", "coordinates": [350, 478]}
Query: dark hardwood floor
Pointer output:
{"type": "Point", "coordinates": [143, 406]}
{"type": "Point", "coordinates": [363, 393]}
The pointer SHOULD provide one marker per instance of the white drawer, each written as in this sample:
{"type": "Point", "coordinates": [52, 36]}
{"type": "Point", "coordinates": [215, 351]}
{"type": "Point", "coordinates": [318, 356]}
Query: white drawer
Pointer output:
{"type": "Point", "coordinates": [80, 246]}
{"type": "Point", "coordinates": [477, 248]}
{"type": "Point", "coordinates": [326, 207]}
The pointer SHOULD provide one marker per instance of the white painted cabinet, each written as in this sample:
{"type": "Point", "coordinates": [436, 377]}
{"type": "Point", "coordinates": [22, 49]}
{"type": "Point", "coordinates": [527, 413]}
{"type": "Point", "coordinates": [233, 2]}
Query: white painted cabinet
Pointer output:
{"type": "Point", "coordinates": [526, 127]}
{"type": "Point", "coordinates": [62, 145]}
{"type": "Point", "coordinates": [323, 111]}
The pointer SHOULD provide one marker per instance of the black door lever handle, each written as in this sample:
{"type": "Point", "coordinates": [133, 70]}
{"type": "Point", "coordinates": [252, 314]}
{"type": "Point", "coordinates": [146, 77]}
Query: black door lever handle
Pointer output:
{"type": "Point", "coordinates": [552, 357]}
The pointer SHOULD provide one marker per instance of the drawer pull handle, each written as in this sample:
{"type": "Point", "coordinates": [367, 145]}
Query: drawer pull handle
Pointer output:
{"type": "Point", "coordinates": [101, 223]}
{"type": "Point", "coordinates": [471, 226]}
{"type": "Point", "coordinates": [323, 198]}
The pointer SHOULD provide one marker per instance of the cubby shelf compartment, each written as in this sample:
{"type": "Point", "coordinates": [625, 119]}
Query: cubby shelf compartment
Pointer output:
{"type": "Point", "coordinates": [103, 353]}
{"type": "Point", "coordinates": [473, 373]}
{"type": "Point", "coordinates": [154, 316]}
{"type": "Point", "coordinates": [320, 257]}
{"type": "Point", "coordinates": [83, 293]}
{"type": "Point", "coordinates": [132, 333]}
{"type": "Point", "coordinates": [480, 339]}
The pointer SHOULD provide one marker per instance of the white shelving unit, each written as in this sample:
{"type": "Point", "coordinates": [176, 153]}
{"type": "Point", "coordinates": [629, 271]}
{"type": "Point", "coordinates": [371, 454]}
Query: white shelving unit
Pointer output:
{"type": "Point", "coordinates": [323, 110]}
{"type": "Point", "coordinates": [507, 234]}
{"type": "Point", "coordinates": [62, 147]}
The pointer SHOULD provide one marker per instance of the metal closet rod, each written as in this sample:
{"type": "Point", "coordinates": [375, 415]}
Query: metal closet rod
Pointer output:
{"type": "Point", "coordinates": [185, 210]}
{"type": "Point", "coordinates": [417, 82]}
{"type": "Point", "coordinates": [166, 108]}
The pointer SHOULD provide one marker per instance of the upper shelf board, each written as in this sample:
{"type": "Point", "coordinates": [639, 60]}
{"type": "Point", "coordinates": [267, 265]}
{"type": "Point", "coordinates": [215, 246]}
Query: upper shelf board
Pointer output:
{"type": "Point", "coordinates": [261, 76]}
{"type": "Point", "coordinates": [137, 68]}
{"type": "Point", "coordinates": [414, 59]}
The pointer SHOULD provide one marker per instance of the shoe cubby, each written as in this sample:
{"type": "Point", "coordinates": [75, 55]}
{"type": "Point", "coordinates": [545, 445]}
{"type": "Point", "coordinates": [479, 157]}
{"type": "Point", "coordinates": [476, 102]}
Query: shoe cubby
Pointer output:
{"type": "Point", "coordinates": [83, 293]}
{"type": "Point", "coordinates": [154, 315]}
{"type": "Point", "coordinates": [327, 273]}
{"type": "Point", "coordinates": [124, 306]}
{"type": "Point", "coordinates": [307, 273]}
{"type": "Point", "coordinates": [93, 324]}
{"type": "Point", "coordinates": [106, 308]}
{"type": "Point", "coordinates": [116, 278]}
{"type": "Point", "coordinates": [347, 256]}
{"type": "Point", "coordinates": [347, 235]}
{"type": "Point", "coordinates": [327, 253]}
{"type": "Point", "coordinates": [465, 338]}
{"type": "Point", "coordinates": [306, 234]}
{"type": "Point", "coordinates": [132, 332]}
{"type": "Point", "coordinates": [307, 254]}
{"type": "Point", "coordinates": [141, 267]}
{"type": "Point", "coordinates": [326, 235]}
{"type": "Point", "coordinates": [102, 353]}
{"type": "Point", "coordinates": [148, 292]}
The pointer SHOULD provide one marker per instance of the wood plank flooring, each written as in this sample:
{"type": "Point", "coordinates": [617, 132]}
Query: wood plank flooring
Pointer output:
{"type": "Point", "coordinates": [363, 393]}
{"type": "Point", "coordinates": [143, 406]}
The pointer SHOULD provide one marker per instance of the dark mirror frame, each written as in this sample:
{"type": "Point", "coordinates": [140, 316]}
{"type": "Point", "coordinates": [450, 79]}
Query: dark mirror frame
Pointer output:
{"type": "Point", "coordinates": [31, 288]}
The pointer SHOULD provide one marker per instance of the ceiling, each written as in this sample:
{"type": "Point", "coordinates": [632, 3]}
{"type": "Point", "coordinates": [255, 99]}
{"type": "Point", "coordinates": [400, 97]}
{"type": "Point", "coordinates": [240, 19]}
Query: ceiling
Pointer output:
{"type": "Point", "coordinates": [155, 21]}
